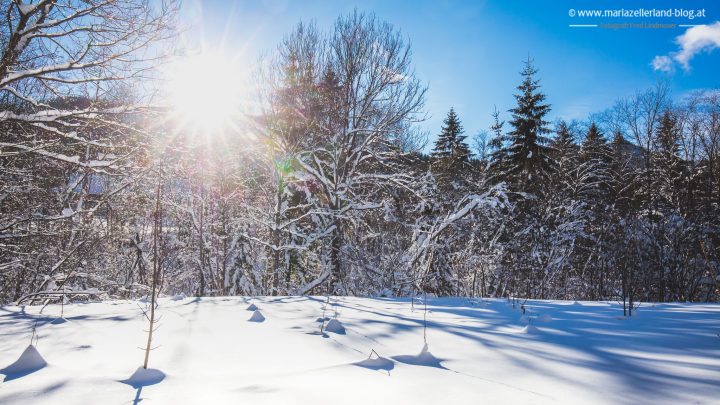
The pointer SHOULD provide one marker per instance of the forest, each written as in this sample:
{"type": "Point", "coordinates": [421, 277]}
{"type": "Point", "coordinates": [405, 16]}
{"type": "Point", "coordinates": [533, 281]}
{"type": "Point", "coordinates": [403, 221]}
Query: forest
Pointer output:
{"type": "Point", "coordinates": [325, 184]}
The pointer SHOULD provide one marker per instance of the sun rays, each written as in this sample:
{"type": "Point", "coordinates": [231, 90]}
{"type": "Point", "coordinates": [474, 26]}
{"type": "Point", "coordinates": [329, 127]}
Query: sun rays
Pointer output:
{"type": "Point", "coordinates": [206, 93]}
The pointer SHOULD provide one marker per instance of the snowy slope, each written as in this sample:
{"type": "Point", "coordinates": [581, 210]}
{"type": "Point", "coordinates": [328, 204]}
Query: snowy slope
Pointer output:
{"type": "Point", "coordinates": [478, 353]}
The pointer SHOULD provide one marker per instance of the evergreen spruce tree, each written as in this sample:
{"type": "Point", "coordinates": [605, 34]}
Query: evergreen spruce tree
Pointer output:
{"type": "Point", "coordinates": [524, 160]}
{"type": "Point", "coordinates": [594, 186]}
{"type": "Point", "coordinates": [622, 174]}
{"type": "Point", "coordinates": [565, 153]}
{"type": "Point", "coordinates": [497, 152]}
{"type": "Point", "coordinates": [668, 136]}
{"type": "Point", "coordinates": [451, 141]}
{"type": "Point", "coordinates": [594, 165]}
{"type": "Point", "coordinates": [451, 151]}
{"type": "Point", "coordinates": [669, 166]}
{"type": "Point", "coordinates": [497, 125]}
{"type": "Point", "coordinates": [563, 145]}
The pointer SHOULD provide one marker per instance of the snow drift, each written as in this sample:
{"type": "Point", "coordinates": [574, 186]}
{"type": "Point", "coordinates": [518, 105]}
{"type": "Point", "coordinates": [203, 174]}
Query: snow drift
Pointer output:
{"type": "Point", "coordinates": [257, 316]}
{"type": "Point", "coordinates": [335, 326]}
{"type": "Point", "coordinates": [29, 361]}
{"type": "Point", "coordinates": [143, 377]}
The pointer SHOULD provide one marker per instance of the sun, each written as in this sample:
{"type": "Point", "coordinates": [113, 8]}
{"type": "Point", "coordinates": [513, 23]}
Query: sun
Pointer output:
{"type": "Point", "coordinates": [205, 93]}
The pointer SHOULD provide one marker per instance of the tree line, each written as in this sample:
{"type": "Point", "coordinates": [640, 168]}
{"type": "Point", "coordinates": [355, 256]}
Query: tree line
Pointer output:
{"type": "Point", "coordinates": [327, 188]}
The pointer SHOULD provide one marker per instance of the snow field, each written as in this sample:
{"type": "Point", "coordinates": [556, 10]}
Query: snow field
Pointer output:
{"type": "Point", "coordinates": [477, 352]}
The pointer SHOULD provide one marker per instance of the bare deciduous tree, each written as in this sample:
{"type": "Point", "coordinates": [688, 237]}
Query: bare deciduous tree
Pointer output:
{"type": "Point", "coordinates": [73, 76]}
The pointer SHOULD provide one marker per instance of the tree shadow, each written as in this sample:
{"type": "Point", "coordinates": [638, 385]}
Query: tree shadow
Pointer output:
{"type": "Point", "coordinates": [376, 363]}
{"type": "Point", "coordinates": [141, 378]}
{"type": "Point", "coordinates": [656, 355]}
{"type": "Point", "coordinates": [137, 398]}
{"type": "Point", "coordinates": [424, 358]}
{"type": "Point", "coordinates": [29, 397]}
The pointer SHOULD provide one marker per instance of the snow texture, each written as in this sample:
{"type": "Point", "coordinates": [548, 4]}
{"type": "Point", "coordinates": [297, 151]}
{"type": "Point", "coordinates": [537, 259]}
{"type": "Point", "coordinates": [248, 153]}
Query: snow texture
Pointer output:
{"type": "Point", "coordinates": [670, 354]}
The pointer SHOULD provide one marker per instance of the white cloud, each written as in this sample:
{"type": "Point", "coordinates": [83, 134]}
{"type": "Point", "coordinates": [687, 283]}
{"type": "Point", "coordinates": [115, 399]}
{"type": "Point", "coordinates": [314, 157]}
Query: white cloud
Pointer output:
{"type": "Point", "coordinates": [693, 41]}
{"type": "Point", "coordinates": [663, 63]}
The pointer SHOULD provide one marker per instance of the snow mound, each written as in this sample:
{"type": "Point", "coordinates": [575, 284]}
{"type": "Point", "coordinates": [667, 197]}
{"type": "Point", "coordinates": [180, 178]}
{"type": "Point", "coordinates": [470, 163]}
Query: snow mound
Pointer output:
{"type": "Point", "coordinates": [257, 316]}
{"type": "Point", "coordinates": [576, 303]}
{"type": "Point", "coordinates": [179, 297]}
{"type": "Point", "coordinates": [30, 361]}
{"type": "Point", "coordinates": [335, 326]}
{"type": "Point", "coordinates": [425, 358]}
{"type": "Point", "coordinates": [58, 321]}
{"type": "Point", "coordinates": [530, 330]}
{"type": "Point", "coordinates": [545, 318]}
{"type": "Point", "coordinates": [144, 376]}
{"type": "Point", "coordinates": [376, 363]}
{"type": "Point", "coordinates": [524, 320]}
{"type": "Point", "coordinates": [252, 307]}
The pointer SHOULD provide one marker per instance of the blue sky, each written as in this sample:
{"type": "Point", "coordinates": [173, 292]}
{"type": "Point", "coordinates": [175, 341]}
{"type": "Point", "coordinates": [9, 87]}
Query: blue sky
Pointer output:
{"type": "Point", "coordinates": [470, 52]}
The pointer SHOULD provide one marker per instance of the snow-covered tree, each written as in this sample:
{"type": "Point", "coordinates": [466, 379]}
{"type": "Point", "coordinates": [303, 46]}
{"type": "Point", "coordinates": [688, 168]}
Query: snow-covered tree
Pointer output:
{"type": "Point", "coordinates": [356, 161]}
{"type": "Point", "coordinates": [71, 130]}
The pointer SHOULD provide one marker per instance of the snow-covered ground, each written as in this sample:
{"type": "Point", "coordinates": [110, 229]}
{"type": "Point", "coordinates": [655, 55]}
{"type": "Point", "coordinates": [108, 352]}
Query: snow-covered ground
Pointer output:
{"type": "Point", "coordinates": [482, 352]}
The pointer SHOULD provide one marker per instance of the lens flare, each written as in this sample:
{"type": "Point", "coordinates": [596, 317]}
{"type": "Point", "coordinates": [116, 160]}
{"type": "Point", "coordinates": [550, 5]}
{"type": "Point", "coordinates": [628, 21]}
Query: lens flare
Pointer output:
{"type": "Point", "coordinates": [205, 92]}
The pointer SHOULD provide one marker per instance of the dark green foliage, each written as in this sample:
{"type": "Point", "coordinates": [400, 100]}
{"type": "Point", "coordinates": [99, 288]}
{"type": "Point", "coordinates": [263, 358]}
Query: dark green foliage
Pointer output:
{"type": "Point", "coordinates": [524, 159]}
{"type": "Point", "coordinates": [451, 153]}
{"type": "Point", "coordinates": [594, 165]}
{"type": "Point", "coordinates": [671, 178]}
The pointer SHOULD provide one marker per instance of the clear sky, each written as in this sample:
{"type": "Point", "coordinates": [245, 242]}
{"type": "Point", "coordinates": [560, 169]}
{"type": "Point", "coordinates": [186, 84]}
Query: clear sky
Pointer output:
{"type": "Point", "coordinates": [470, 52]}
